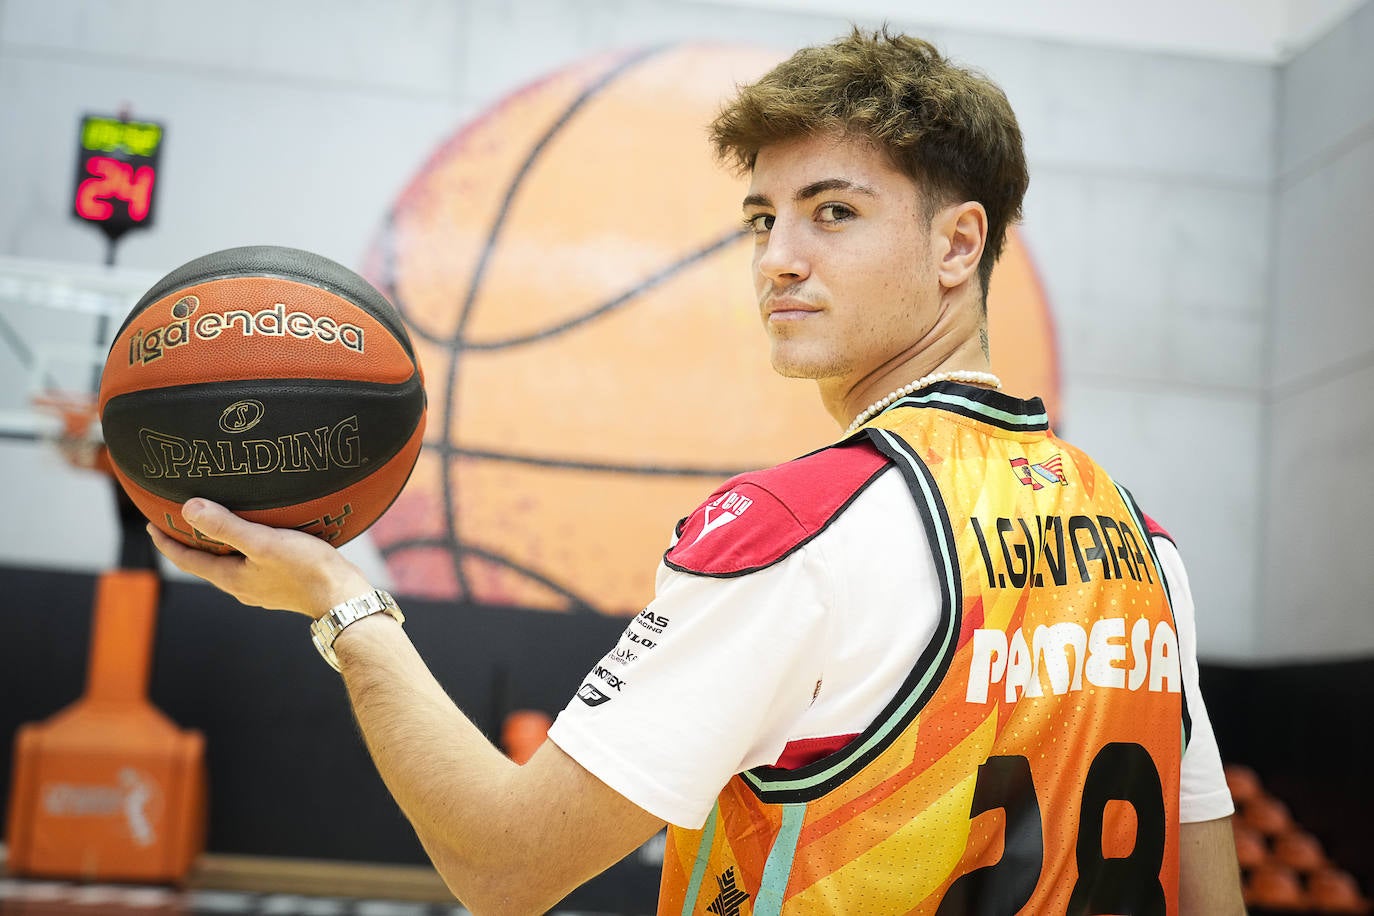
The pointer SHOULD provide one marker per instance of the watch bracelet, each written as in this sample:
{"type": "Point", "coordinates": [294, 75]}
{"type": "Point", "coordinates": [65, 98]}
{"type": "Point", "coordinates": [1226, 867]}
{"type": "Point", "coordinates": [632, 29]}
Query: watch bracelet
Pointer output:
{"type": "Point", "coordinates": [327, 628]}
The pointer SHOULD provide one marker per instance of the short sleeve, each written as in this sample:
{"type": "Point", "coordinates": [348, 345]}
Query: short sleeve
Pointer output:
{"type": "Point", "coordinates": [704, 683]}
{"type": "Point", "coordinates": [1203, 794]}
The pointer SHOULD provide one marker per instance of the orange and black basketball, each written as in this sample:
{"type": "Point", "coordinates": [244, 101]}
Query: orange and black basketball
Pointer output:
{"type": "Point", "coordinates": [271, 380]}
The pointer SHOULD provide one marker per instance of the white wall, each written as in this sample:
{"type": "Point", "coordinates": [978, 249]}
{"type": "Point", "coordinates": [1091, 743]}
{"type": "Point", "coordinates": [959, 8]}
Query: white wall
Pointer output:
{"type": "Point", "coordinates": [1263, 31]}
{"type": "Point", "coordinates": [288, 123]}
{"type": "Point", "coordinates": [1147, 216]}
{"type": "Point", "coordinates": [1318, 495]}
{"type": "Point", "coordinates": [296, 123]}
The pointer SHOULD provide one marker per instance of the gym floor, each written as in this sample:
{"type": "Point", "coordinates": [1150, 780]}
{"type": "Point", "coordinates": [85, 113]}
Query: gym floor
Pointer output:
{"type": "Point", "coordinates": [51, 898]}
{"type": "Point", "coordinates": [223, 885]}
{"type": "Point", "coordinates": [23, 897]}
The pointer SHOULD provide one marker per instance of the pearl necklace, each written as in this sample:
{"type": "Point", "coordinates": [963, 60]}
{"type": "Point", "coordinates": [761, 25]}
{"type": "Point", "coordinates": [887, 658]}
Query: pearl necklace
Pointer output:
{"type": "Point", "coordinates": [959, 375]}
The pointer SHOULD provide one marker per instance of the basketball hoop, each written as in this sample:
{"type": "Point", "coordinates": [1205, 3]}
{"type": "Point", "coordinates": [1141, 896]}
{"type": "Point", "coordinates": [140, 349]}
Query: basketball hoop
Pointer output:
{"type": "Point", "coordinates": [77, 432]}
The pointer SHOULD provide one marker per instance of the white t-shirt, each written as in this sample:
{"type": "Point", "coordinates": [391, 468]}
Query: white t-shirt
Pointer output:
{"type": "Point", "coordinates": [719, 675]}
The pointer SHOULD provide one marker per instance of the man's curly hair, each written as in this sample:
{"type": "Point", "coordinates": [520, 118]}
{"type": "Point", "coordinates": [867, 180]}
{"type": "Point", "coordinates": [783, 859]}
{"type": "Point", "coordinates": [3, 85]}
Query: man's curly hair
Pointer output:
{"type": "Point", "coordinates": [950, 129]}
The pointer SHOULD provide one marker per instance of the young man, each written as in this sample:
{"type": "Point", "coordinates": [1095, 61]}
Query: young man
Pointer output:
{"type": "Point", "coordinates": [945, 665]}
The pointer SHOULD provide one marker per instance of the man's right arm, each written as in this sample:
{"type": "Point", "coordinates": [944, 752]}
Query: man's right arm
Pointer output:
{"type": "Point", "coordinates": [1209, 875]}
{"type": "Point", "coordinates": [1209, 878]}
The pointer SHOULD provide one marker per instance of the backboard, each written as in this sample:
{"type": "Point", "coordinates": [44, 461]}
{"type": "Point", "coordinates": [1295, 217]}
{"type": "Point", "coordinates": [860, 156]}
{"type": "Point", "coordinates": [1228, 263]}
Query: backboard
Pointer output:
{"type": "Point", "coordinates": [56, 324]}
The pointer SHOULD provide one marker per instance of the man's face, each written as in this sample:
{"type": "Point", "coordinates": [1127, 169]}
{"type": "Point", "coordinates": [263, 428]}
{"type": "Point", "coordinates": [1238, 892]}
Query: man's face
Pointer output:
{"type": "Point", "coordinates": [842, 262]}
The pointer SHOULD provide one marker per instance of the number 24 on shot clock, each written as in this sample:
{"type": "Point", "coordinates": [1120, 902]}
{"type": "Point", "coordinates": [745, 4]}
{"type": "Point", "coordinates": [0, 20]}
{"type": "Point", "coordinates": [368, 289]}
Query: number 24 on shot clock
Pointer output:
{"type": "Point", "coordinates": [116, 172]}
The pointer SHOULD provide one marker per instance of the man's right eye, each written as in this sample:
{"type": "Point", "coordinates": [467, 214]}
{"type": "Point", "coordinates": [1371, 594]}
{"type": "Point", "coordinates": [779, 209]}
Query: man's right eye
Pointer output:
{"type": "Point", "coordinates": [759, 223]}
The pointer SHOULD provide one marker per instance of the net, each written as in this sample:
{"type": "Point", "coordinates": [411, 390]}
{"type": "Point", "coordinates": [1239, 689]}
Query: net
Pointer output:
{"type": "Point", "coordinates": [56, 324]}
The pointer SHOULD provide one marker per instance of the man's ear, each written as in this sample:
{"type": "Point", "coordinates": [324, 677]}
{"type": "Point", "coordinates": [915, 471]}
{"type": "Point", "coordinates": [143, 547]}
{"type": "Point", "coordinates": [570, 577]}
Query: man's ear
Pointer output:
{"type": "Point", "coordinates": [961, 232]}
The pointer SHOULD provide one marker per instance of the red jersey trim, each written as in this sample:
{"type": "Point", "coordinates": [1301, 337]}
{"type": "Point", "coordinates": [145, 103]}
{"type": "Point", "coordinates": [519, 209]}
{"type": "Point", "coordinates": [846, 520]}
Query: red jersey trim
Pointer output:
{"type": "Point", "coordinates": [756, 519]}
{"type": "Point", "coordinates": [797, 754]}
{"type": "Point", "coordinates": [1154, 528]}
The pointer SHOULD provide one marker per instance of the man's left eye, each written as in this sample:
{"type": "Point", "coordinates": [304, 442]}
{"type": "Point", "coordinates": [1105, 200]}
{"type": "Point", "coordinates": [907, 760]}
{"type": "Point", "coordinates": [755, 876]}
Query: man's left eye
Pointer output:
{"type": "Point", "coordinates": [834, 213]}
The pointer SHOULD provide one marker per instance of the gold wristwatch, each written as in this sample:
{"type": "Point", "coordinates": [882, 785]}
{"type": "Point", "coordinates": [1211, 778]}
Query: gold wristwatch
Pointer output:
{"type": "Point", "coordinates": [328, 627]}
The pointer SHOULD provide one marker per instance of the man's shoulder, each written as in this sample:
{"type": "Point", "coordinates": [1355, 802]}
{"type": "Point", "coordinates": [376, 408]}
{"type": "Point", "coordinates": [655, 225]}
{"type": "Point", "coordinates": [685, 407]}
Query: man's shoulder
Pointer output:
{"type": "Point", "coordinates": [756, 519]}
{"type": "Point", "coordinates": [1156, 530]}
{"type": "Point", "coordinates": [1153, 528]}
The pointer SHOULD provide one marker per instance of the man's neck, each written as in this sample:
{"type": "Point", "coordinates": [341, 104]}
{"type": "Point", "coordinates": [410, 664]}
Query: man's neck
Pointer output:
{"type": "Point", "coordinates": [844, 400]}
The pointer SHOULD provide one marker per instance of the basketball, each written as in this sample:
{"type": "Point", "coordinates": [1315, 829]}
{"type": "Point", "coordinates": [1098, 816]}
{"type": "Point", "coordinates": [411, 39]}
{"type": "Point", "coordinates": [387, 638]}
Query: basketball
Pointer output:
{"type": "Point", "coordinates": [271, 380]}
{"type": "Point", "coordinates": [574, 271]}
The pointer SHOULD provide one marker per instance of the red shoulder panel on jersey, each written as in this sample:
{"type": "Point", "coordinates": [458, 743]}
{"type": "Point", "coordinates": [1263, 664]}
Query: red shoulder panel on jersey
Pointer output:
{"type": "Point", "coordinates": [756, 519]}
{"type": "Point", "coordinates": [1155, 528]}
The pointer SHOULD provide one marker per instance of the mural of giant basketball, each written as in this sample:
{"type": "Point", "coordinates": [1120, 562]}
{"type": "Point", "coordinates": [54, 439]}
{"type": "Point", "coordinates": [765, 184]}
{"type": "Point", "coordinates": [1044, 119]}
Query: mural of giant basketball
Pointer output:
{"type": "Point", "coordinates": [573, 271]}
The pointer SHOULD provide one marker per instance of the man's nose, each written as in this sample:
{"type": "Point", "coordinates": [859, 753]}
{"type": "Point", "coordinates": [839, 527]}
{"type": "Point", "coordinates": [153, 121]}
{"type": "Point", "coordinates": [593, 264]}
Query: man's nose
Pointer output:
{"type": "Point", "coordinates": [783, 258]}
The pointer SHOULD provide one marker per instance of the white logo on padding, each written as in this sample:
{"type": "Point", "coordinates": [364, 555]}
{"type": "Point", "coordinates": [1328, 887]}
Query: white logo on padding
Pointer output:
{"type": "Point", "coordinates": [728, 508]}
{"type": "Point", "coordinates": [132, 798]}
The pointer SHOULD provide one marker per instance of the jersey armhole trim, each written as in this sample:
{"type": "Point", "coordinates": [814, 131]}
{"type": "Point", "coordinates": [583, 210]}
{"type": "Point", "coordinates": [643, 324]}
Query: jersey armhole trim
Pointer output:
{"type": "Point", "coordinates": [814, 780]}
{"type": "Point", "coordinates": [1152, 529]}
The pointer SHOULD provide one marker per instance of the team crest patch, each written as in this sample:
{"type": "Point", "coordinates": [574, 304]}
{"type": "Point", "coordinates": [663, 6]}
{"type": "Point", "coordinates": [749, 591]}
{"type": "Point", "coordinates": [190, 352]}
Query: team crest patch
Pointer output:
{"type": "Point", "coordinates": [1051, 471]}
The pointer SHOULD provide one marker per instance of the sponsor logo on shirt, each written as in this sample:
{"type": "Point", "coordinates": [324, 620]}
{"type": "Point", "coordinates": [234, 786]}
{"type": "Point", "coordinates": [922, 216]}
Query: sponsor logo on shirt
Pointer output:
{"type": "Point", "coordinates": [645, 620]}
{"type": "Point", "coordinates": [654, 623]}
{"type": "Point", "coordinates": [720, 512]}
{"type": "Point", "coordinates": [1098, 655]}
{"type": "Point", "coordinates": [591, 696]}
{"type": "Point", "coordinates": [609, 679]}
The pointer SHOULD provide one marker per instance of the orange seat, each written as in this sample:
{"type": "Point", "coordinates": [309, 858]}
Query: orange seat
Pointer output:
{"type": "Point", "coordinates": [110, 788]}
{"type": "Point", "coordinates": [1274, 887]}
{"type": "Point", "coordinates": [1298, 849]}
{"type": "Point", "coordinates": [1251, 848]}
{"type": "Point", "coordinates": [1330, 890]}
{"type": "Point", "coordinates": [1266, 814]}
{"type": "Point", "coordinates": [1243, 782]}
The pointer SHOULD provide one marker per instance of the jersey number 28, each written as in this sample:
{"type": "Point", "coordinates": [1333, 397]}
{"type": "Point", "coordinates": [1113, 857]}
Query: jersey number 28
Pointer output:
{"type": "Point", "coordinates": [1128, 885]}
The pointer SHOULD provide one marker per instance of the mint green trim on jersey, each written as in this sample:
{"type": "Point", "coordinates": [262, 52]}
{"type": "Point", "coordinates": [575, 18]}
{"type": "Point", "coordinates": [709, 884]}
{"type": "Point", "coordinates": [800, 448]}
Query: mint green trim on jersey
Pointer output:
{"type": "Point", "coordinates": [708, 836]}
{"type": "Point", "coordinates": [778, 869]}
{"type": "Point", "coordinates": [1028, 421]}
{"type": "Point", "coordinates": [944, 553]}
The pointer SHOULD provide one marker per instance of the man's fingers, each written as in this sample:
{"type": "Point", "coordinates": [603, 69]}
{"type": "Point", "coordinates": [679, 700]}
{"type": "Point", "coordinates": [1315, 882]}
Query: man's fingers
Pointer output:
{"type": "Point", "coordinates": [278, 568]}
{"type": "Point", "coordinates": [207, 566]}
{"type": "Point", "coordinates": [217, 522]}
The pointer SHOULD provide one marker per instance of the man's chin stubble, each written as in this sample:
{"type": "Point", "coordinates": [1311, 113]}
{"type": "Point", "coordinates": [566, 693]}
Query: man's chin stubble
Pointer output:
{"type": "Point", "coordinates": [805, 369]}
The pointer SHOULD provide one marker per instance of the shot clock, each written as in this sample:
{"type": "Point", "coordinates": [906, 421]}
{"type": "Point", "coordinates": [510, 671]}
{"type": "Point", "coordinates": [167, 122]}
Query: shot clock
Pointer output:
{"type": "Point", "coordinates": [116, 173]}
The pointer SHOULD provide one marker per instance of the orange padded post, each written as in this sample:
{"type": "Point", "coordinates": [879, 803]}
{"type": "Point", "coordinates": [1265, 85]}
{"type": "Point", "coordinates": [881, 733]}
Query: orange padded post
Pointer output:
{"type": "Point", "coordinates": [110, 788]}
{"type": "Point", "coordinates": [523, 731]}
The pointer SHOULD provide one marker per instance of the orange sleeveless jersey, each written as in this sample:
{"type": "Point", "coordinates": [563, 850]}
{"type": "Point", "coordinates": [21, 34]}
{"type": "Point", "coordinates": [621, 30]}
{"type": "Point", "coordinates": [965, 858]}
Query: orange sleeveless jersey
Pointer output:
{"type": "Point", "coordinates": [1030, 761]}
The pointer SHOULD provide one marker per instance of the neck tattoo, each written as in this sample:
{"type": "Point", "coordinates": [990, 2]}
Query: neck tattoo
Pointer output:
{"type": "Point", "coordinates": [968, 377]}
